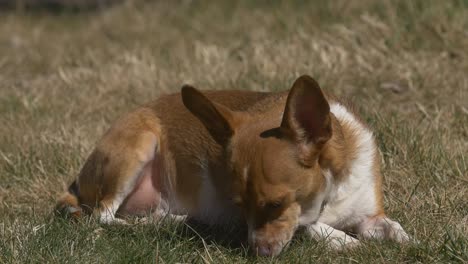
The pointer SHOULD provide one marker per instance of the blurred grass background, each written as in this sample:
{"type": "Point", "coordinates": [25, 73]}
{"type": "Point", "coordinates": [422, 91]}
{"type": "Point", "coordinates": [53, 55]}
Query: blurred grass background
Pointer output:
{"type": "Point", "coordinates": [67, 73]}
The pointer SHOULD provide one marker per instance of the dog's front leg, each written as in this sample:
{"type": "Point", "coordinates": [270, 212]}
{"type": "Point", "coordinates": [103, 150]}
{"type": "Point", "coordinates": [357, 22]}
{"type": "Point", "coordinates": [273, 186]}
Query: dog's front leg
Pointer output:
{"type": "Point", "coordinates": [335, 238]}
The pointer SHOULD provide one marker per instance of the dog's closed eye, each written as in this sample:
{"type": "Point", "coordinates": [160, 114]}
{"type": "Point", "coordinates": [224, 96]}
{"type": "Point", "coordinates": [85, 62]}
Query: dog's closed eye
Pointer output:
{"type": "Point", "coordinates": [274, 205]}
{"type": "Point", "coordinates": [236, 200]}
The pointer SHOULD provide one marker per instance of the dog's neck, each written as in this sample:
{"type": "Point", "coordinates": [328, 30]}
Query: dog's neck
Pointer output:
{"type": "Point", "coordinates": [336, 153]}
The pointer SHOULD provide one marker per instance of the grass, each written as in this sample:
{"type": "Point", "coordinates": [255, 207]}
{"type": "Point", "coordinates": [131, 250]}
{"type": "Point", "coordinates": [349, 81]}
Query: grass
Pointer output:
{"type": "Point", "coordinates": [65, 76]}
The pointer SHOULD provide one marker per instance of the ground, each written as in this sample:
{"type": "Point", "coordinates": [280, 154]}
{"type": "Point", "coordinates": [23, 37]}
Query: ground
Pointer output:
{"type": "Point", "coordinates": [66, 75]}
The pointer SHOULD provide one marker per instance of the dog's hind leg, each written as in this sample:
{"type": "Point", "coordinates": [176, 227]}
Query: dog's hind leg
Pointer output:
{"type": "Point", "coordinates": [125, 163]}
{"type": "Point", "coordinates": [115, 169]}
{"type": "Point", "coordinates": [124, 173]}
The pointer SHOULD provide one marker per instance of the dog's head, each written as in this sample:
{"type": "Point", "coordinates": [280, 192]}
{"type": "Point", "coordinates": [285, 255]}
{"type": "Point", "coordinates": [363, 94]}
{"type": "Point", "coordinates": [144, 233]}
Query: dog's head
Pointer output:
{"type": "Point", "coordinates": [272, 157]}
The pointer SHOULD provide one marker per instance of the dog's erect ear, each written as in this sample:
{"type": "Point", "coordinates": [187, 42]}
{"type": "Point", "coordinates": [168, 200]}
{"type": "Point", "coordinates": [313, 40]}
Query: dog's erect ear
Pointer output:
{"type": "Point", "coordinates": [306, 118]}
{"type": "Point", "coordinates": [216, 118]}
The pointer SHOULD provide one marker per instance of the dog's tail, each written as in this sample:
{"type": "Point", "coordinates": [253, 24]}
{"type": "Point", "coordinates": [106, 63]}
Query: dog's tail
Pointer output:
{"type": "Point", "coordinates": [69, 204]}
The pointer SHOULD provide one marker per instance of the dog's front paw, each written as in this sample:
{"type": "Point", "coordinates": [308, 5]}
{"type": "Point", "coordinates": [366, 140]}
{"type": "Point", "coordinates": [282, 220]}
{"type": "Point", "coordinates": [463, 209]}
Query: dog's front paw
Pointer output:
{"type": "Point", "coordinates": [396, 232]}
{"type": "Point", "coordinates": [383, 228]}
{"type": "Point", "coordinates": [342, 243]}
{"type": "Point", "coordinates": [335, 239]}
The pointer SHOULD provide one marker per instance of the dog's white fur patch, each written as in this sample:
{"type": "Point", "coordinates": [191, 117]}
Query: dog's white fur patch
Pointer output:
{"type": "Point", "coordinates": [353, 200]}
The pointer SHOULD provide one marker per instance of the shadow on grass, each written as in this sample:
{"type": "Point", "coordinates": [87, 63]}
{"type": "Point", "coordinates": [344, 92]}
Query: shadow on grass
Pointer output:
{"type": "Point", "coordinates": [232, 236]}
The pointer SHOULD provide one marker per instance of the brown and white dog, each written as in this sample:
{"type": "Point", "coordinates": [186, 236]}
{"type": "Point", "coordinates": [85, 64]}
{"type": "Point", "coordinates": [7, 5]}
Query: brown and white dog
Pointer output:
{"type": "Point", "coordinates": [275, 161]}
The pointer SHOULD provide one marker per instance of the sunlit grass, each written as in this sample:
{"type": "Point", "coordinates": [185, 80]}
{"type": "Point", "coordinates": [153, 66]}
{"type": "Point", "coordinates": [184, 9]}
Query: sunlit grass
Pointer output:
{"type": "Point", "coordinates": [64, 77]}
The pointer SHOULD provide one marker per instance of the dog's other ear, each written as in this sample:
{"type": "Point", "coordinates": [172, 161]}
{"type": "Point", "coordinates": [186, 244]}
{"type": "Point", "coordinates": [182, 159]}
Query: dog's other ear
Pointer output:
{"type": "Point", "coordinates": [216, 118]}
{"type": "Point", "coordinates": [306, 118]}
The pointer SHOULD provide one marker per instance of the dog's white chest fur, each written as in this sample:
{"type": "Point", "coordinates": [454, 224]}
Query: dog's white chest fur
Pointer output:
{"type": "Point", "coordinates": [349, 202]}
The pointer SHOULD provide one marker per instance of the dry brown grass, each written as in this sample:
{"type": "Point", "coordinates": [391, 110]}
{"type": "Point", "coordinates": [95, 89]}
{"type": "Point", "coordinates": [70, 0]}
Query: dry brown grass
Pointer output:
{"type": "Point", "coordinates": [64, 77]}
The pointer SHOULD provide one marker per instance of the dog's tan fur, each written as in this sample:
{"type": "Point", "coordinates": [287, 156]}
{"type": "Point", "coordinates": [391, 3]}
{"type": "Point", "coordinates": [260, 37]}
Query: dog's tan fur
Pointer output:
{"type": "Point", "coordinates": [272, 159]}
